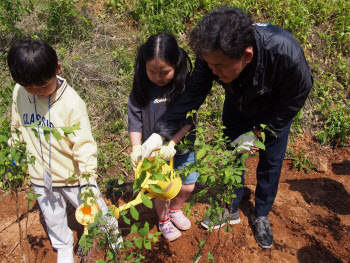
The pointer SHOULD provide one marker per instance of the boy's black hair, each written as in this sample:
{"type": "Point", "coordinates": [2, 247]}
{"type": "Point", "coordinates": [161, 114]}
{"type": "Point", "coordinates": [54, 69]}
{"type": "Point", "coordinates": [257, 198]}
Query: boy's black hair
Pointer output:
{"type": "Point", "coordinates": [32, 62]}
{"type": "Point", "coordinates": [163, 46]}
{"type": "Point", "coordinates": [225, 28]}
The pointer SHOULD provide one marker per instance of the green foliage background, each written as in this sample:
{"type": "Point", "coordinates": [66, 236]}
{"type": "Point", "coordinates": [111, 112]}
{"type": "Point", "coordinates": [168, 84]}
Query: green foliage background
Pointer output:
{"type": "Point", "coordinates": [97, 40]}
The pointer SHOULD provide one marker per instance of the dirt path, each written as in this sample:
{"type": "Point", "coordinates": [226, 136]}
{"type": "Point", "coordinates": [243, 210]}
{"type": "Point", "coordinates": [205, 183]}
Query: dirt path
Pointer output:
{"type": "Point", "coordinates": [310, 221]}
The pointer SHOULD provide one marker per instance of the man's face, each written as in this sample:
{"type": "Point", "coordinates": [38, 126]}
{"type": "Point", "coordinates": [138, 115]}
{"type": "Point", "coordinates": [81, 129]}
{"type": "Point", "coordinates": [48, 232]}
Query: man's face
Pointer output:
{"type": "Point", "coordinates": [226, 68]}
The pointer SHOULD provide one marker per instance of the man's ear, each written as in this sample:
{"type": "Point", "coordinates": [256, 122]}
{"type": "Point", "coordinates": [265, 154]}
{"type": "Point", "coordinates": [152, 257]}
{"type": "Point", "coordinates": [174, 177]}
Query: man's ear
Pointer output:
{"type": "Point", "coordinates": [248, 54]}
{"type": "Point", "coordinates": [58, 70]}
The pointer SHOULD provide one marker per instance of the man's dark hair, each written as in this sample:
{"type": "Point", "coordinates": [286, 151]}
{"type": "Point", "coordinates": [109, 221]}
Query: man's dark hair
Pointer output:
{"type": "Point", "coordinates": [32, 62]}
{"type": "Point", "coordinates": [225, 28]}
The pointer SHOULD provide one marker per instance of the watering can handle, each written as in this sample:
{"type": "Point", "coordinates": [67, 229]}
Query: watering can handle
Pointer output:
{"type": "Point", "coordinates": [171, 164]}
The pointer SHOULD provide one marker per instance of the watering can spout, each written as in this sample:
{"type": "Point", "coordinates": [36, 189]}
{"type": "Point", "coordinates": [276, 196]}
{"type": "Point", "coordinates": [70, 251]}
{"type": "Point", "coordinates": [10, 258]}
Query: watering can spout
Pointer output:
{"type": "Point", "coordinates": [171, 187]}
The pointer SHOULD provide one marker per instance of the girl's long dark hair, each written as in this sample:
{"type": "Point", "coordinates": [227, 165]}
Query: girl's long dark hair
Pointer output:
{"type": "Point", "coordinates": [163, 46]}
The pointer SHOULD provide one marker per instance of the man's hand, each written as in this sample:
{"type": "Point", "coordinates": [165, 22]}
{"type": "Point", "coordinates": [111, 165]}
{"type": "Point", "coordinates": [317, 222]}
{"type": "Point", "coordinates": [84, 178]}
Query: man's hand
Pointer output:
{"type": "Point", "coordinates": [244, 143]}
{"type": "Point", "coordinates": [154, 142]}
{"type": "Point", "coordinates": [135, 155]}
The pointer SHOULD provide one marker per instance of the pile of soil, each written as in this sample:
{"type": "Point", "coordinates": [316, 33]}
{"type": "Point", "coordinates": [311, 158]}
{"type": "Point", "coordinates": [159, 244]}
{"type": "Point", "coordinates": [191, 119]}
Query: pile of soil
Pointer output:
{"type": "Point", "coordinates": [310, 220]}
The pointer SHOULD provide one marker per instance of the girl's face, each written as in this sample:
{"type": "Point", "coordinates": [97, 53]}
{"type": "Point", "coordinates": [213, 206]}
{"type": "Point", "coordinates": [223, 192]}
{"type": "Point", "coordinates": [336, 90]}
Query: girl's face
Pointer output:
{"type": "Point", "coordinates": [160, 72]}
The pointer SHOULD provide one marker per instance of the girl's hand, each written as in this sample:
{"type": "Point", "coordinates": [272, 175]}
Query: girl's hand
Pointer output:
{"type": "Point", "coordinates": [135, 155]}
{"type": "Point", "coordinates": [168, 150]}
{"type": "Point", "coordinates": [154, 142]}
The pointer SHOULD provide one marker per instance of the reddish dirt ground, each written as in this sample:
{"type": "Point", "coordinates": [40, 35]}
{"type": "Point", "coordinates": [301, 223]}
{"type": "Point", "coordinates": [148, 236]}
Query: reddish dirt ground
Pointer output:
{"type": "Point", "coordinates": [310, 220]}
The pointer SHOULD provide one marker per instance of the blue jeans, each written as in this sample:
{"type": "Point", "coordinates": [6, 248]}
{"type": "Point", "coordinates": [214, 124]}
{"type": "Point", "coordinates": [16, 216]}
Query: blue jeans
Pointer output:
{"type": "Point", "coordinates": [181, 161]}
{"type": "Point", "coordinates": [269, 166]}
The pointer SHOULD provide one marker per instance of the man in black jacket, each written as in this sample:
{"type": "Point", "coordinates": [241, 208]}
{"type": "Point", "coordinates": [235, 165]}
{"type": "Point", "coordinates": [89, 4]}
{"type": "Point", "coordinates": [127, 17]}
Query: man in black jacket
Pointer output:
{"type": "Point", "coordinates": [266, 79]}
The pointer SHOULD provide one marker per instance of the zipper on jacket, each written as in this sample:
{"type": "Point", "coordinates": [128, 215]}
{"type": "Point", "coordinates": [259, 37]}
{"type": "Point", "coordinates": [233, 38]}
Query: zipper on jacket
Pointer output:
{"type": "Point", "coordinates": [240, 103]}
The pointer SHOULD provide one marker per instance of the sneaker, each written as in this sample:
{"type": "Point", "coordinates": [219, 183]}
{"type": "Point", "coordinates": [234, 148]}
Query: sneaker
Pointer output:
{"type": "Point", "coordinates": [180, 220]}
{"type": "Point", "coordinates": [262, 231]}
{"type": "Point", "coordinates": [169, 231]}
{"type": "Point", "coordinates": [220, 220]}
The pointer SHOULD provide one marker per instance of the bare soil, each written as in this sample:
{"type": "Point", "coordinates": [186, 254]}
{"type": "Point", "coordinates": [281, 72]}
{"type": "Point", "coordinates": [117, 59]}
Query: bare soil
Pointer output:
{"type": "Point", "coordinates": [310, 220]}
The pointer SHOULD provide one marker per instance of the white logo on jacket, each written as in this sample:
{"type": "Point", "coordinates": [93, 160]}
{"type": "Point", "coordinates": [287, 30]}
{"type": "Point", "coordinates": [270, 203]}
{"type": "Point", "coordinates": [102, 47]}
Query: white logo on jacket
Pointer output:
{"type": "Point", "coordinates": [160, 100]}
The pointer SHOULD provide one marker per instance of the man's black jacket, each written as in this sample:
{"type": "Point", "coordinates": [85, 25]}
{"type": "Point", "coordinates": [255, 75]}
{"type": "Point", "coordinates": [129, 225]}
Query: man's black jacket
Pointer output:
{"type": "Point", "coordinates": [273, 88]}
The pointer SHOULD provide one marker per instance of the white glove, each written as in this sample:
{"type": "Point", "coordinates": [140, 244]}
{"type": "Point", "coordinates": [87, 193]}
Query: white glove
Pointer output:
{"type": "Point", "coordinates": [154, 142]}
{"type": "Point", "coordinates": [135, 155]}
{"type": "Point", "coordinates": [167, 150]}
{"type": "Point", "coordinates": [90, 190]}
{"type": "Point", "coordinates": [245, 143]}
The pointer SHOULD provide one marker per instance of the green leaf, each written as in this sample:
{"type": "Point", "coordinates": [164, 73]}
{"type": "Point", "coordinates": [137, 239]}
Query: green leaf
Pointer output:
{"type": "Point", "coordinates": [3, 138]}
{"type": "Point", "coordinates": [30, 196]}
{"type": "Point", "coordinates": [210, 256]}
{"type": "Point", "coordinates": [208, 158]}
{"type": "Point", "coordinates": [45, 128]}
{"type": "Point", "coordinates": [47, 135]}
{"type": "Point", "coordinates": [200, 154]}
{"type": "Point", "coordinates": [146, 201]}
{"type": "Point", "coordinates": [143, 231]}
{"type": "Point", "coordinates": [138, 242]}
{"type": "Point", "coordinates": [126, 220]}
{"type": "Point", "coordinates": [134, 228]}
{"type": "Point", "coordinates": [56, 134]}
{"type": "Point", "coordinates": [244, 157]}
{"type": "Point", "coordinates": [146, 164]}
{"type": "Point", "coordinates": [260, 145]}
{"type": "Point", "coordinates": [67, 131]}
{"type": "Point", "coordinates": [110, 254]}
{"type": "Point", "coordinates": [2, 157]}
{"type": "Point", "coordinates": [187, 208]}
{"type": "Point", "coordinates": [129, 243]}
{"type": "Point", "coordinates": [156, 188]}
{"type": "Point", "coordinates": [134, 213]}
{"type": "Point", "coordinates": [120, 180]}
{"type": "Point", "coordinates": [147, 243]}
{"type": "Point", "coordinates": [34, 125]}
{"type": "Point", "coordinates": [159, 176]}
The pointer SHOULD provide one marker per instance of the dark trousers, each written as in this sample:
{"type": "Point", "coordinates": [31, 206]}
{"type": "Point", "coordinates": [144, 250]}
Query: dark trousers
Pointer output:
{"type": "Point", "coordinates": [269, 166]}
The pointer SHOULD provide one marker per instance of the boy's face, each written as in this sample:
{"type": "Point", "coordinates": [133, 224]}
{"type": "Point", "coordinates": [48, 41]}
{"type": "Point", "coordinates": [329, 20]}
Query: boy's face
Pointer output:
{"type": "Point", "coordinates": [48, 88]}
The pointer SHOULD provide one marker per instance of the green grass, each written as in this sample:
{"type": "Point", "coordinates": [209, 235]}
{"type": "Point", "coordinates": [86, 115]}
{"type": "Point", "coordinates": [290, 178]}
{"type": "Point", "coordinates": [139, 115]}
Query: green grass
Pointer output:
{"type": "Point", "coordinates": [97, 41]}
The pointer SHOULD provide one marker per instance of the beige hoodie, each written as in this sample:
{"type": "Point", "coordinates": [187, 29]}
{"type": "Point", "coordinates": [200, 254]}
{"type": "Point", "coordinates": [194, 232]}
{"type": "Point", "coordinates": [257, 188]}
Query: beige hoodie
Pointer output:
{"type": "Point", "coordinates": [75, 154]}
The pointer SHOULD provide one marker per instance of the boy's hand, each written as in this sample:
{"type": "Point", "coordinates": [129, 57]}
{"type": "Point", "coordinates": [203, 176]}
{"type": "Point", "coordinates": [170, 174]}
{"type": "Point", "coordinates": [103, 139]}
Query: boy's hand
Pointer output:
{"type": "Point", "coordinates": [90, 190]}
{"type": "Point", "coordinates": [154, 142]}
{"type": "Point", "coordinates": [168, 149]}
{"type": "Point", "coordinates": [135, 155]}
{"type": "Point", "coordinates": [244, 143]}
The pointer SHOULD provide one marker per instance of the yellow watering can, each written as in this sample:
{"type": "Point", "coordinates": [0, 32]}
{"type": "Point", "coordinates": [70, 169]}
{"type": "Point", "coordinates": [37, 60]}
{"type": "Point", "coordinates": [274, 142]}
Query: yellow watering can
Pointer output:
{"type": "Point", "coordinates": [86, 215]}
{"type": "Point", "coordinates": [170, 188]}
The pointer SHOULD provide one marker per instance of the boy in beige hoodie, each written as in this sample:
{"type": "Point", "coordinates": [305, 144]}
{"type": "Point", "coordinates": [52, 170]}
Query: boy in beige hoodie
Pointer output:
{"type": "Point", "coordinates": [41, 95]}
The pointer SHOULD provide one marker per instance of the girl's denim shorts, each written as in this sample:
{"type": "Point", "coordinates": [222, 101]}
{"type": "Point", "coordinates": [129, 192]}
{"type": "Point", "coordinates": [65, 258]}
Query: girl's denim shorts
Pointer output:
{"type": "Point", "coordinates": [183, 160]}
